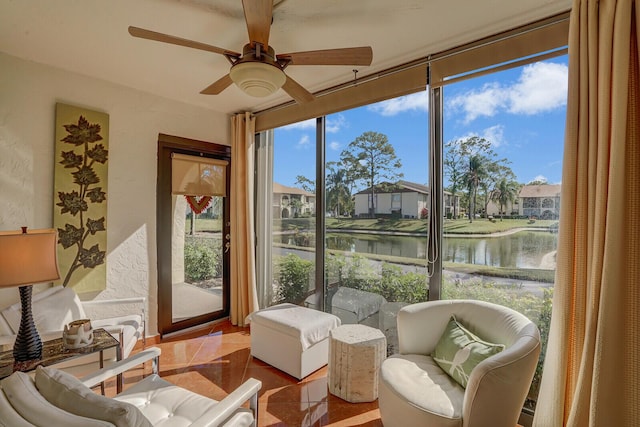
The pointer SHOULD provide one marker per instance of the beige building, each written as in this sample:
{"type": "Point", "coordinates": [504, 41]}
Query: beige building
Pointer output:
{"type": "Point", "coordinates": [540, 201]}
{"type": "Point", "coordinates": [292, 202]}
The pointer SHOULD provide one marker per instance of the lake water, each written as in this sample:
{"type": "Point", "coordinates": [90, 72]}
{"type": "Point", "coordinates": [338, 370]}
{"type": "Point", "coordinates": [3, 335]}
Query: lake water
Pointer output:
{"type": "Point", "coordinates": [524, 249]}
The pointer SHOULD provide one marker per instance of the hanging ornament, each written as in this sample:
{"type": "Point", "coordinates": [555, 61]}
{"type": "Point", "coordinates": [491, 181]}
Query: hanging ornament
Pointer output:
{"type": "Point", "coordinates": [198, 205]}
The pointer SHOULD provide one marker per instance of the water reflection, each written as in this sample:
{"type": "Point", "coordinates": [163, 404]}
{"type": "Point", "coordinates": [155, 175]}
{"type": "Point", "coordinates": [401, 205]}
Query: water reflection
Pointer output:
{"type": "Point", "coordinates": [525, 249]}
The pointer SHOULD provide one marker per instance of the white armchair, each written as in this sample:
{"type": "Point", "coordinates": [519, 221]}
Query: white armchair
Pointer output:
{"type": "Point", "coordinates": [55, 399]}
{"type": "Point", "coordinates": [55, 307]}
{"type": "Point", "coordinates": [415, 391]}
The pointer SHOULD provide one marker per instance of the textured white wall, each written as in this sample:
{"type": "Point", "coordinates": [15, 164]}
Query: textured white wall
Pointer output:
{"type": "Point", "coordinates": [28, 94]}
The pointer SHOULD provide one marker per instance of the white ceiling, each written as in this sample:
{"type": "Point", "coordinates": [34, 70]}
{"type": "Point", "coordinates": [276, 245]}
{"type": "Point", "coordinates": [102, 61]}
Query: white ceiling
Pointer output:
{"type": "Point", "coordinates": [90, 37]}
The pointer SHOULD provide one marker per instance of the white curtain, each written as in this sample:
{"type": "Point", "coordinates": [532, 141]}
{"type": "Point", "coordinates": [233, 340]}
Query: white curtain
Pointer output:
{"type": "Point", "coordinates": [592, 366]}
{"type": "Point", "coordinates": [243, 268]}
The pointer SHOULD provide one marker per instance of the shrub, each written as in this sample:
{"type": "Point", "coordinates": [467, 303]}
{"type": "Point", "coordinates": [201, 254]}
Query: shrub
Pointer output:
{"type": "Point", "coordinates": [397, 285]}
{"type": "Point", "coordinates": [201, 262]}
{"type": "Point", "coordinates": [292, 273]}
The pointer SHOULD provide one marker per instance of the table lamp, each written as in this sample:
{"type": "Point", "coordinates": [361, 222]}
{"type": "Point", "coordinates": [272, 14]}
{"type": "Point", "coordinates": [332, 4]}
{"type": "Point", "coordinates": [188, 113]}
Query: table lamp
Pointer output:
{"type": "Point", "coordinates": [27, 258]}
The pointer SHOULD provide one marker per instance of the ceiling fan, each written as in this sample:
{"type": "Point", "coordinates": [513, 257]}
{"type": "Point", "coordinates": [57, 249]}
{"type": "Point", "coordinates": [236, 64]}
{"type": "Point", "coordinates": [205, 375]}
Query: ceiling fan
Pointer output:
{"type": "Point", "coordinates": [258, 71]}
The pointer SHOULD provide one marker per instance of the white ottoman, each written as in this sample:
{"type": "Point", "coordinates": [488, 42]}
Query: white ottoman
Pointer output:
{"type": "Point", "coordinates": [291, 338]}
{"type": "Point", "coordinates": [356, 353]}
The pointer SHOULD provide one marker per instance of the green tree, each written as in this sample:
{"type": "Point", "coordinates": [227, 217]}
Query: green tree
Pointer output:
{"type": "Point", "coordinates": [474, 173]}
{"type": "Point", "coordinates": [296, 206]}
{"type": "Point", "coordinates": [306, 183]}
{"type": "Point", "coordinates": [472, 164]}
{"type": "Point", "coordinates": [539, 181]}
{"type": "Point", "coordinates": [504, 192]}
{"type": "Point", "coordinates": [338, 194]}
{"type": "Point", "coordinates": [496, 171]}
{"type": "Point", "coordinates": [454, 159]}
{"type": "Point", "coordinates": [372, 159]}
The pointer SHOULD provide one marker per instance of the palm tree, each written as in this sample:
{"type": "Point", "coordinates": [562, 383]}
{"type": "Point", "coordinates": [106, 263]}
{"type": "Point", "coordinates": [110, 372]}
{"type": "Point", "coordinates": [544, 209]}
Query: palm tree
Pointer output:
{"type": "Point", "coordinates": [474, 174]}
{"type": "Point", "coordinates": [338, 193]}
{"type": "Point", "coordinates": [506, 191]}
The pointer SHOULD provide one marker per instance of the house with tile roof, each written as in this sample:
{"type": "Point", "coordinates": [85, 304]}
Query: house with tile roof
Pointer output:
{"type": "Point", "coordinates": [404, 199]}
{"type": "Point", "coordinates": [292, 202]}
{"type": "Point", "coordinates": [540, 201]}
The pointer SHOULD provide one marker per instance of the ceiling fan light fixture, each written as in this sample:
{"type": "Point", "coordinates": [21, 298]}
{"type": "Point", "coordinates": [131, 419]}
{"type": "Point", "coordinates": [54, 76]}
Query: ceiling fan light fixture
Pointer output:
{"type": "Point", "coordinates": [257, 79]}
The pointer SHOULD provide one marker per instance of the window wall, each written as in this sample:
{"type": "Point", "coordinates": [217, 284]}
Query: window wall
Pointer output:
{"type": "Point", "coordinates": [372, 229]}
{"type": "Point", "coordinates": [503, 137]}
{"type": "Point", "coordinates": [453, 192]}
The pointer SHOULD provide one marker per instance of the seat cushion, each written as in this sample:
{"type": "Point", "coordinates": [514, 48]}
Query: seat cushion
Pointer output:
{"type": "Point", "coordinates": [414, 390]}
{"type": "Point", "coordinates": [167, 405]}
{"type": "Point", "coordinates": [68, 393]}
{"type": "Point", "coordinates": [305, 324]}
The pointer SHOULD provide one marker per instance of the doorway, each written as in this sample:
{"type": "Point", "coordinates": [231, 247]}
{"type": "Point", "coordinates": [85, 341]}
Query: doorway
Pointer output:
{"type": "Point", "coordinates": [193, 232]}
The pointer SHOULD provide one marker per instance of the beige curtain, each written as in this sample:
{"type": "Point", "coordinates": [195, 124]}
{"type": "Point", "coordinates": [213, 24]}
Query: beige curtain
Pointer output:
{"type": "Point", "coordinates": [591, 375]}
{"type": "Point", "coordinates": [243, 268]}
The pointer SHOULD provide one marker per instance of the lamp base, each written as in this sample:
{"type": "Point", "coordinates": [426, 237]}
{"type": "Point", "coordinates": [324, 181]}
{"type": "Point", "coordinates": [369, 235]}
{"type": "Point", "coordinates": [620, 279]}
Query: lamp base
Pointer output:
{"type": "Point", "coordinates": [28, 345]}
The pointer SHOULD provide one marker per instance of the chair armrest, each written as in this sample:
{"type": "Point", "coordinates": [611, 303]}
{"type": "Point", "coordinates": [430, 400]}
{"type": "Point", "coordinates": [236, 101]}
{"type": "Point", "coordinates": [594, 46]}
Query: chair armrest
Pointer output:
{"type": "Point", "coordinates": [132, 300]}
{"type": "Point", "coordinates": [124, 301]}
{"type": "Point", "coordinates": [223, 410]}
{"type": "Point", "coordinates": [121, 366]}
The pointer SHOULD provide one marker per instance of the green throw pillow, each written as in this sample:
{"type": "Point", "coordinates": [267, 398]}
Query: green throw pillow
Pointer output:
{"type": "Point", "coordinates": [459, 351]}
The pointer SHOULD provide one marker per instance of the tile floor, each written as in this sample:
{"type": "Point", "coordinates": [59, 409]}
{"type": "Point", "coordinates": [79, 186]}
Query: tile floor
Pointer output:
{"type": "Point", "coordinates": [216, 360]}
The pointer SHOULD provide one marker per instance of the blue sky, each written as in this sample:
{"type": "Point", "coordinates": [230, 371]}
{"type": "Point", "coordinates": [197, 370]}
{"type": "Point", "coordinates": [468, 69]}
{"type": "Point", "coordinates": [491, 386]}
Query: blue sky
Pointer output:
{"type": "Point", "coordinates": [520, 111]}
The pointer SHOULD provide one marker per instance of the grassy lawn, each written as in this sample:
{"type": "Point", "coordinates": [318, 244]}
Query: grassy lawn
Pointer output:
{"type": "Point", "coordinates": [204, 224]}
{"type": "Point", "coordinates": [459, 226]}
{"type": "Point", "coordinates": [484, 226]}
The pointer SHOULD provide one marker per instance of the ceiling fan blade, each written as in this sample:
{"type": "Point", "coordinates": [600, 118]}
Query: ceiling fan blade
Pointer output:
{"type": "Point", "coordinates": [166, 38]}
{"type": "Point", "coordinates": [258, 14]}
{"type": "Point", "coordinates": [345, 56]}
{"type": "Point", "coordinates": [297, 92]}
{"type": "Point", "coordinates": [218, 86]}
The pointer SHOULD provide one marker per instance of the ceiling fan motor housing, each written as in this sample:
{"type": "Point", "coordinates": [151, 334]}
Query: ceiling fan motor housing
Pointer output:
{"type": "Point", "coordinates": [257, 73]}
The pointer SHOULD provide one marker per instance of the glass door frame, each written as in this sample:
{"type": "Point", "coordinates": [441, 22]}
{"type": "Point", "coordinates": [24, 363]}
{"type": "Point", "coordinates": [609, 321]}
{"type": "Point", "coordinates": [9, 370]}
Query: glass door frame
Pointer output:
{"type": "Point", "coordinates": [168, 144]}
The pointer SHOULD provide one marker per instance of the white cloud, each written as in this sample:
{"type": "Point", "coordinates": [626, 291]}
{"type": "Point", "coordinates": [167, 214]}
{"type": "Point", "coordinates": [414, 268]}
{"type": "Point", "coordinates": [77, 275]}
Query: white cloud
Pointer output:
{"type": "Point", "coordinates": [335, 124]}
{"type": "Point", "coordinates": [486, 101]}
{"type": "Point", "coordinates": [414, 102]}
{"type": "Point", "coordinates": [306, 124]}
{"type": "Point", "coordinates": [334, 145]}
{"type": "Point", "coordinates": [493, 134]}
{"type": "Point", "coordinates": [541, 87]}
{"type": "Point", "coordinates": [540, 178]}
{"type": "Point", "coordinates": [304, 142]}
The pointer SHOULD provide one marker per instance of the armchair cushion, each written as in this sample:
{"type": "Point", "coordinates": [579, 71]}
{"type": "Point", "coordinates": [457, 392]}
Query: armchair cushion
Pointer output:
{"type": "Point", "coordinates": [165, 404]}
{"type": "Point", "coordinates": [26, 400]}
{"type": "Point", "coordinates": [459, 351]}
{"type": "Point", "coordinates": [68, 393]}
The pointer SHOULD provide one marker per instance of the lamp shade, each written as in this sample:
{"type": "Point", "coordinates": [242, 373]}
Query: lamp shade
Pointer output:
{"type": "Point", "coordinates": [29, 257]}
{"type": "Point", "coordinates": [257, 78]}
